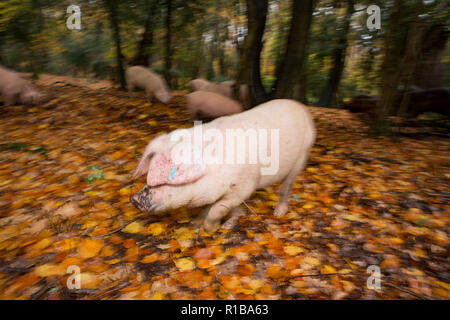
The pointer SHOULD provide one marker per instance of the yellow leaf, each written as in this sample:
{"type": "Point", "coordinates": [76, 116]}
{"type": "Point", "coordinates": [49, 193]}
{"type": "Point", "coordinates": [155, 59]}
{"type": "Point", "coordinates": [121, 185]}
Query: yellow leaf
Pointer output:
{"type": "Point", "coordinates": [308, 206]}
{"type": "Point", "coordinates": [184, 234]}
{"type": "Point", "coordinates": [185, 264]}
{"type": "Point", "coordinates": [89, 280]}
{"type": "Point", "coordinates": [312, 261]}
{"type": "Point", "coordinates": [113, 261]}
{"type": "Point", "coordinates": [255, 284]}
{"type": "Point", "coordinates": [134, 227]}
{"type": "Point", "coordinates": [44, 243]}
{"type": "Point", "coordinates": [293, 250]}
{"type": "Point", "coordinates": [444, 285]}
{"type": "Point", "coordinates": [218, 260]}
{"type": "Point", "coordinates": [350, 217]}
{"type": "Point", "coordinates": [125, 191]}
{"type": "Point", "coordinates": [328, 269]}
{"type": "Point", "coordinates": [47, 270]}
{"type": "Point", "coordinates": [155, 229]}
{"type": "Point", "coordinates": [157, 296]}
{"type": "Point", "coordinates": [350, 264]}
{"type": "Point", "coordinates": [89, 248]}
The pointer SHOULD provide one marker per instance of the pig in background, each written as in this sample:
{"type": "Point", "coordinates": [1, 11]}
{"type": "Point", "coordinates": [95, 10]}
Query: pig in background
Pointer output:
{"type": "Point", "coordinates": [198, 84]}
{"type": "Point", "coordinates": [15, 88]}
{"type": "Point", "coordinates": [154, 85]}
{"type": "Point", "coordinates": [204, 105]}
{"type": "Point", "coordinates": [225, 88]}
{"type": "Point", "coordinates": [222, 187]}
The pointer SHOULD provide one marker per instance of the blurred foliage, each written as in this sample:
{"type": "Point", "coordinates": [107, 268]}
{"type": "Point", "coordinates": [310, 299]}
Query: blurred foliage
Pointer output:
{"type": "Point", "coordinates": [34, 38]}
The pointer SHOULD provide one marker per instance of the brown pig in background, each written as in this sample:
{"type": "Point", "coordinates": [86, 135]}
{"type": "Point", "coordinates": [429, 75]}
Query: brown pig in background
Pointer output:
{"type": "Point", "coordinates": [221, 186]}
{"type": "Point", "coordinates": [198, 84]}
{"type": "Point", "coordinates": [154, 86]}
{"type": "Point", "coordinates": [209, 105]}
{"type": "Point", "coordinates": [14, 88]}
{"type": "Point", "coordinates": [223, 89]}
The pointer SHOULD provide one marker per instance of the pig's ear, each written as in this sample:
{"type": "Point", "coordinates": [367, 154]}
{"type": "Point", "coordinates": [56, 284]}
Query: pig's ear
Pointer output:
{"type": "Point", "coordinates": [144, 163]}
{"type": "Point", "coordinates": [172, 168]}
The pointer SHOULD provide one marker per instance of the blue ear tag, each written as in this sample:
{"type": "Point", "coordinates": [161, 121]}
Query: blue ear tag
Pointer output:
{"type": "Point", "coordinates": [172, 172]}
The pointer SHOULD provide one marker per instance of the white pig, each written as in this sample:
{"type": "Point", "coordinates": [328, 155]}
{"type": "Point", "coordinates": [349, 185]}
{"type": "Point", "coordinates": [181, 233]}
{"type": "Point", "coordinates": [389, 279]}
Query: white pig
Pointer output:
{"type": "Point", "coordinates": [153, 84]}
{"type": "Point", "coordinates": [198, 84]}
{"type": "Point", "coordinates": [202, 104]}
{"type": "Point", "coordinates": [222, 187]}
{"type": "Point", "coordinates": [14, 88]}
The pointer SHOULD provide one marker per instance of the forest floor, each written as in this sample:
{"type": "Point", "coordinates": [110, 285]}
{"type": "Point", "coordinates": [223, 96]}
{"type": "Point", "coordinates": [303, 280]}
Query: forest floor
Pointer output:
{"type": "Point", "coordinates": [64, 201]}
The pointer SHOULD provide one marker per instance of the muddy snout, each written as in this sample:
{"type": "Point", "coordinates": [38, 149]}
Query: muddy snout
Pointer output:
{"type": "Point", "coordinates": [142, 200]}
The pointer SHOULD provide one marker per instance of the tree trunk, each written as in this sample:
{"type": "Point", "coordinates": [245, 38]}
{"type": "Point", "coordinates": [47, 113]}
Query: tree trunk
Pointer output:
{"type": "Point", "coordinates": [250, 62]}
{"type": "Point", "coordinates": [168, 54]}
{"type": "Point", "coordinates": [290, 70]}
{"type": "Point", "coordinates": [428, 73]}
{"type": "Point", "coordinates": [393, 45]}
{"type": "Point", "coordinates": [111, 6]}
{"type": "Point", "coordinates": [411, 55]}
{"type": "Point", "coordinates": [328, 94]}
{"type": "Point", "coordinates": [142, 56]}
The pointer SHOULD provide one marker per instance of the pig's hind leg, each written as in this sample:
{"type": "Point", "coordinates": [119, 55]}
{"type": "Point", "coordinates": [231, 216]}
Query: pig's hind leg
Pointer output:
{"type": "Point", "coordinates": [282, 206]}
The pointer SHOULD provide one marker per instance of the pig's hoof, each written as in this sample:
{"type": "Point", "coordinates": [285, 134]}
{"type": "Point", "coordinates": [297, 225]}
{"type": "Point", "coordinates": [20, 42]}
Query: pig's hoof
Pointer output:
{"type": "Point", "coordinates": [280, 210]}
{"type": "Point", "coordinates": [211, 227]}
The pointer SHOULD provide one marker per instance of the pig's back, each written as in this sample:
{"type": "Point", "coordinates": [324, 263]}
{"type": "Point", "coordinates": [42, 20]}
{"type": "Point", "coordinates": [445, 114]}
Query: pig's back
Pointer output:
{"type": "Point", "coordinates": [10, 81]}
{"type": "Point", "coordinates": [294, 124]}
{"type": "Point", "coordinates": [143, 77]}
{"type": "Point", "coordinates": [212, 104]}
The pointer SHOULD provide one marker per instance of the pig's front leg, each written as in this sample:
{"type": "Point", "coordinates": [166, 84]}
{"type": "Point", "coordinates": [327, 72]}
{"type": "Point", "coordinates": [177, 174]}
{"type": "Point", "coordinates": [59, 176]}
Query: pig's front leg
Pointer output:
{"type": "Point", "coordinates": [217, 211]}
{"type": "Point", "coordinates": [220, 209]}
{"type": "Point", "coordinates": [202, 216]}
{"type": "Point", "coordinates": [131, 90]}
{"type": "Point", "coordinates": [233, 218]}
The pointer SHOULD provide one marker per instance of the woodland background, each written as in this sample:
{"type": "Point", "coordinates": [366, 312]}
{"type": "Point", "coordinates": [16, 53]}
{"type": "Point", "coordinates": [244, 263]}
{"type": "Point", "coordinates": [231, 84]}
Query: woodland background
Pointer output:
{"type": "Point", "coordinates": [318, 52]}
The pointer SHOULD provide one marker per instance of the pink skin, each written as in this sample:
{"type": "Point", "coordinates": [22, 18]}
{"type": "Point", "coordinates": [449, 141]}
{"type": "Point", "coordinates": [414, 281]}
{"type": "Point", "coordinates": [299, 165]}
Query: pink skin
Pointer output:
{"type": "Point", "coordinates": [163, 96]}
{"type": "Point", "coordinates": [223, 187]}
{"type": "Point", "coordinates": [222, 89]}
{"type": "Point", "coordinates": [30, 97]}
{"type": "Point", "coordinates": [202, 104]}
{"type": "Point", "coordinates": [198, 84]}
{"type": "Point", "coordinates": [153, 84]}
{"type": "Point", "coordinates": [14, 88]}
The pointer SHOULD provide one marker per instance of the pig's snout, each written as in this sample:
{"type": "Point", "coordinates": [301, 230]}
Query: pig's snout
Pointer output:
{"type": "Point", "coordinates": [142, 200]}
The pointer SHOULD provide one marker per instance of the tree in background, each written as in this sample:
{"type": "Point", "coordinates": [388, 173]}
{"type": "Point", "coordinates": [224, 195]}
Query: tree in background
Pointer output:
{"type": "Point", "coordinates": [290, 70]}
{"type": "Point", "coordinates": [339, 55]}
{"type": "Point", "coordinates": [168, 49]}
{"type": "Point", "coordinates": [250, 60]}
{"type": "Point", "coordinates": [142, 56]}
{"type": "Point", "coordinates": [112, 9]}
{"type": "Point", "coordinates": [404, 46]}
